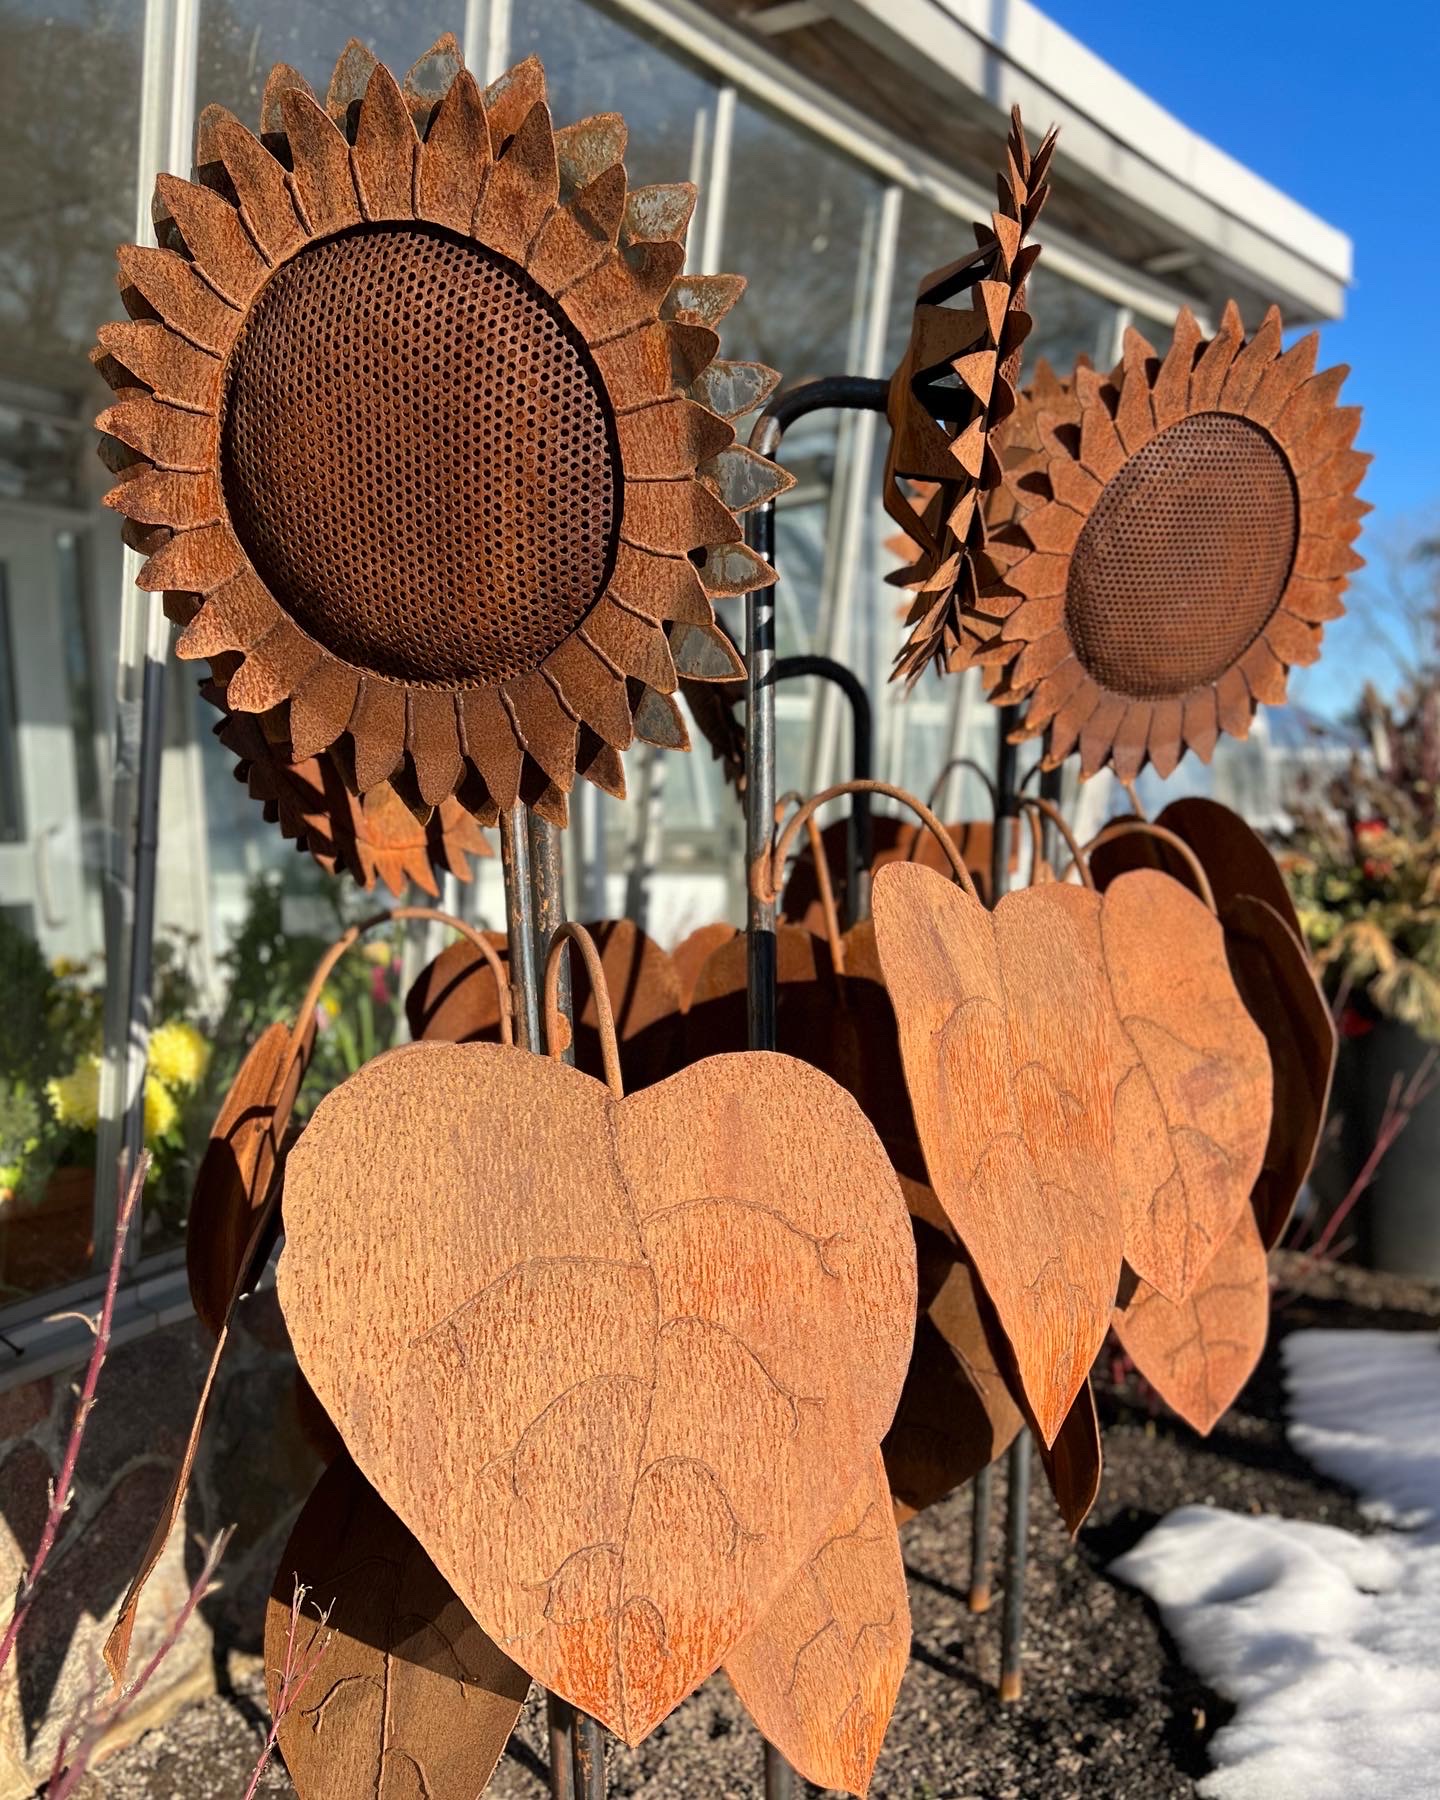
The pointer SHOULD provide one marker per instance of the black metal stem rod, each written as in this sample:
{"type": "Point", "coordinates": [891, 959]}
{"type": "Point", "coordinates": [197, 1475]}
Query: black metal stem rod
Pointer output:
{"type": "Point", "coordinates": [577, 1742]}
{"type": "Point", "coordinates": [520, 926]}
{"type": "Point", "coordinates": [853, 899]}
{"type": "Point", "coordinates": [1017, 1496]}
{"type": "Point", "coordinates": [978, 1598]}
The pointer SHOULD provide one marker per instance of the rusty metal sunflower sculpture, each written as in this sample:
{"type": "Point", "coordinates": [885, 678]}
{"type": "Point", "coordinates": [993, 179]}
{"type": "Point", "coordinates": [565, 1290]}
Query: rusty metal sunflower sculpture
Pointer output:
{"type": "Point", "coordinates": [953, 389]}
{"type": "Point", "coordinates": [371, 838]}
{"type": "Point", "coordinates": [1176, 548]}
{"type": "Point", "coordinates": [422, 420]}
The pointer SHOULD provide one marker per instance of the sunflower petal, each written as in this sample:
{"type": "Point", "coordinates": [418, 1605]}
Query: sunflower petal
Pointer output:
{"type": "Point", "coordinates": [194, 562]}
{"type": "Point", "coordinates": [454, 157]}
{"type": "Point", "coordinates": [432, 737]}
{"type": "Point", "coordinates": [1068, 723]}
{"type": "Point", "coordinates": [1281, 379]}
{"type": "Point", "coordinates": [1170, 391]}
{"type": "Point", "coordinates": [732, 389]}
{"type": "Point", "coordinates": [731, 569]}
{"type": "Point", "coordinates": [1250, 365]}
{"type": "Point", "coordinates": [742, 480]}
{"type": "Point", "coordinates": [566, 247]}
{"type": "Point", "coordinates": [1097, 736]}
{"type": "Point", "coordinates": [1208, 376]}
{"type": "Point", "coordinates": [163, 436]}
{"type": "Point", "coordinates": [1202, 724]}
{"type": "Point", "coordinates": [658, 721]}
{"type": "Point", "coordinates": [660, 213]}
{"type": "Point", "coordinates": [1132, 741]}
{"type": "Point", "coordinates": [1166, 742]}
{"type": "Point", "coordinates": [674, 517]}
{"type": "Point", "coordinates": [1101, 451]}
{"type": "Point", "coordinates": [214, 236]}
{"type": "Point", "coordinates": [705, 653]}
{"type": "Point", "coordinates": [659, 587]}
{"type": "Point", "coordinates": [1034, 619]}
{"type": "Point", "coordinates": [670, 439]}
{"type": "Point", "coordinates": [491, 745]}
{"type": "Point", "coordinates": [588, 149]}
{"type": "Point", "coordinates": [544, 727]}
{"type": "Point", "coordinates": [626, 290]}
{"type": "Point", "coordinates": [1041, 658]}
{"type": "Point", "coordinates": [511, 96]}
{"type": "Point", "coordinates": [172, 370]}
{"type": "Point", "coordinates": [348, 82]}
{"type": "Point", "coordinates": [321, 706]}
{"type": "Point", "coordinates": [1304, 411]}
{"type": "Point", "coordinates": [635, 645]}
{"type": "Point", "coordinates": [1052, 527]}
{"type": "Point", "coordinates": [600, 764]}
{"type": "Point", "coordinates": [1264, 673]}
{"type": "Point", "coordinates": [702, 299]}
{"type": "Point", "coordinates": [377, 724]}
{"type": "Point", "coordinates": [1317, 602]}
{"type": "Point", "coordinates": [1292, 640]}
{"type": "Point", "coordinates": [385, 150]}
{"type": "Point", "coordinates": [272, 669]}
{"type": "Point", "coordinates": [431, 76]}
{"type": "Point", "coordinates": [1134, 421]}
{"type": "Point", "coordinates": [259, 182]}
{"type": "Point", "coordinates": [184, 502]}
{"type": "Point", "coordinates": [169, 285]}
{"type": "Point", "coordinates": [320, 165]}
{"type": "Point", "coordinates": [1234, 708]}
{"type": "Point", "coordinates": [523, 186]}
{"type": "Point", "coordinates": [239, 613]}
{"type": "Point", "coordinates": [281, 77]}
{"type": "Point", "coordinates": [593, 687]}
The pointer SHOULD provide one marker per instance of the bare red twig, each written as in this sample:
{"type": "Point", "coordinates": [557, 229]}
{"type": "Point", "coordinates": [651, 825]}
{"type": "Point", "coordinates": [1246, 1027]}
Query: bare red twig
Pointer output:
{"type": "Point", "coordinates": [295, 1673]}
{"type": "Point", "coordinates": [94, 1723]}
{"type": "Point", "coordinates": [63, 1485]}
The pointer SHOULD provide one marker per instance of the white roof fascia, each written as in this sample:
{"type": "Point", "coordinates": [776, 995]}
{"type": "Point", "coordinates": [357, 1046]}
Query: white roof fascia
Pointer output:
{"type": "Point", "coordinates": [1114, 134]}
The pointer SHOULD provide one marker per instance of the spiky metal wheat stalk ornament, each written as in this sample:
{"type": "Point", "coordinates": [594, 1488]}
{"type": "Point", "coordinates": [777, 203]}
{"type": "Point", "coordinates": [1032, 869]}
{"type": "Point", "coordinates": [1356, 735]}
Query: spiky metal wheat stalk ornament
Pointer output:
{"type": "Point", "coordinates": [422, 429]}
{"type": "Point", "coordinates": [955, 386]}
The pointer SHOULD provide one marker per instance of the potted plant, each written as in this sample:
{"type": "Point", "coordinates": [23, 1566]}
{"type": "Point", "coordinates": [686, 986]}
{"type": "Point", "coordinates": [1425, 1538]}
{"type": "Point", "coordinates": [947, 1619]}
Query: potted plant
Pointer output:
{"type": "Point", "coordinates": [1365, 872]}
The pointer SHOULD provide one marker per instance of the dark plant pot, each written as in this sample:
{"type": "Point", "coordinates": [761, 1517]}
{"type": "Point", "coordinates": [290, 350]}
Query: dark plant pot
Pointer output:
{"type": "Point", "coordinates": [49, 1243]}
{"type": "Point", "coordinates": [1402, 1208]}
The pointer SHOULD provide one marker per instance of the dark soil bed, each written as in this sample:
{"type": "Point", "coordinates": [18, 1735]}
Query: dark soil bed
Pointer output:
{"type": "Point", "coordinates": [1108, 1709]}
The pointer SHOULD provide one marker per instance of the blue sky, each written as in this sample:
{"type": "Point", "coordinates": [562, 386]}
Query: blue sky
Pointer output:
{"type": "Point", "coordinates": [1336, 105]}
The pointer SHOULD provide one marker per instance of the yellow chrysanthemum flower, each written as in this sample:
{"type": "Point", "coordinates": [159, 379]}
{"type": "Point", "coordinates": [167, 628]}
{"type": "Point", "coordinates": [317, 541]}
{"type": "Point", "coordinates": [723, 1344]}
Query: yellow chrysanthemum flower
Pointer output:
{"type": "Point", "coordinates": [179, 1055]}
{"type": "Point", "coordinates": [161, 1112]}
{"type": "Point", "coordinates": [329, 1005]}
{"type": "Point", "coordinates": [75, 1098]}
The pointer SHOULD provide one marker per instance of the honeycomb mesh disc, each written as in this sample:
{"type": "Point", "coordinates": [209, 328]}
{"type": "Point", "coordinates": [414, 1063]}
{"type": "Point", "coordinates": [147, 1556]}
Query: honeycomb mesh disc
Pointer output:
{"type": "Point", "coordinates": [418, 457]}
{"type": "Point", "coordinates": [1184, 558]}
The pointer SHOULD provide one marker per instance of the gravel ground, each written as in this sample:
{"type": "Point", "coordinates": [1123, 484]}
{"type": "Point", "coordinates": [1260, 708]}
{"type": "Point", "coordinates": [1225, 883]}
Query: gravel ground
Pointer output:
{"type": "Point", "coordinates": [1108, 1709]}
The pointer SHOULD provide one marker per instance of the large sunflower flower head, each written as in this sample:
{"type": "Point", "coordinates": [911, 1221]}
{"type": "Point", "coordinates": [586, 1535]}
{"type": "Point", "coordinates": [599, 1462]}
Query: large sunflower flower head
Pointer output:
{"type": "Point", "coordinates": [421, 426]}
{"type": "Point", "coordinates": [1174, 548]}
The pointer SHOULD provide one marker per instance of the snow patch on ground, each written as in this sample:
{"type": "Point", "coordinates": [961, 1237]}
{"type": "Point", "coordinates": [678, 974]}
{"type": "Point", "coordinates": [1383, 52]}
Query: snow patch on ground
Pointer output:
{"type": "Point", "coordinates": [1328, 1643]}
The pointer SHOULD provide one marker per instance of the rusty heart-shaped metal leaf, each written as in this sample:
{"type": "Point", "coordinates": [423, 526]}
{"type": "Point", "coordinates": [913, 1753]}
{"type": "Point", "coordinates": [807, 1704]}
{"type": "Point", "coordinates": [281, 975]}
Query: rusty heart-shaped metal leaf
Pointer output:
{"type": "Point", "coordinates": [821, 1673]}
{"type": "Point", "coordinates": [1199, 1353]}
{"type": "Point", "coordinates": [1074, 1461]}
{"type": "Point", "coordinates": [1009, 1043]}
{"type": "Point", "coordinates": [616, 1363]}
{"type": "Point", "coordinates": [407, 1694]}
{"type": "Point", "coordinates": [1192, 1112]}
{"type": "Point", "coordinates": [1236, 861]}
{"type": "Point", "coordinates": [239, 1164]}
{"type": "Point", "coordinates": [956, 1413]}
{"type": "Point", "coordinates": [1275, 980]}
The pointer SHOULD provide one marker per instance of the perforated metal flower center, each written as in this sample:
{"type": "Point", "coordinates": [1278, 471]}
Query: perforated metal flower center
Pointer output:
{"type": "Point", "coordinates": [418, 457]}
{"type": "Point", "coordinates": [1184, 558]}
